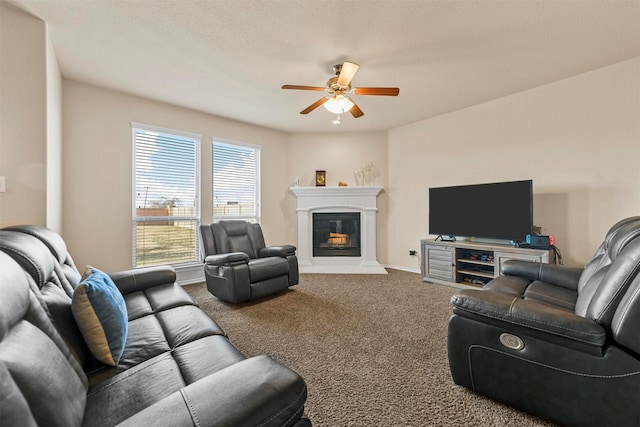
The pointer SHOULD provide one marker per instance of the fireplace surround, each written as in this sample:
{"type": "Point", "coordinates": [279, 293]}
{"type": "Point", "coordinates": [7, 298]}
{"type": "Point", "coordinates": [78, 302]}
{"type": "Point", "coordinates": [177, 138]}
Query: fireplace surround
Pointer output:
{"type": "Point", "coordinates": [352, 202]}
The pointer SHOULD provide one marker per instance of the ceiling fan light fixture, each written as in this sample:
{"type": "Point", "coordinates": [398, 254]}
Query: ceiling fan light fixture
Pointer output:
{"type": "Point", "coordinates": [338, 104]}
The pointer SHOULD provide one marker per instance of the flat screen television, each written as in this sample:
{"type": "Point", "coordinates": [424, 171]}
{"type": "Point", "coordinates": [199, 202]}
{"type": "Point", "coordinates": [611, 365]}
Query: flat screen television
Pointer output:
{"type": "Point", "coordinates": [500, 210]}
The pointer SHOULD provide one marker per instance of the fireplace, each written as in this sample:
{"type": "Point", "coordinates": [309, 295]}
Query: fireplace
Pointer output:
{"type": "Point", "coordinates": [336, 234]}
{"type": "Point", "coordinates": [344, 240]}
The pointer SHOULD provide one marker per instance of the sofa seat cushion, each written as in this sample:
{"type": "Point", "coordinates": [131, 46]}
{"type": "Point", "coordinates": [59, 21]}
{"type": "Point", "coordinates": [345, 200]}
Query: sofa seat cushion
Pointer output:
{"type": "Point", "coordinates": [188, 323]}
{"type": "Point", "coordinates": [137, 305]}
{"type": "Point", "coordinates": [152, 335]}
{"type": "Point", "coordinates": [155, 299]}
{"type": "Point", "coordinates": [536, 290]}
{"type": "Point", "coordinates": [258, 392]}
{"type": "Point", "coordinates": [205, 356]}
{"type": "Point", "coordinates": [267, 268]}
{"type": "Point", "coordinates": [553, 295]}
{"type": "Point", "coordinates": [169, 329]}
{"type": "Point", "coordinates": [110, 402]}
{"type": "Point", "coordinates": [512, 285]}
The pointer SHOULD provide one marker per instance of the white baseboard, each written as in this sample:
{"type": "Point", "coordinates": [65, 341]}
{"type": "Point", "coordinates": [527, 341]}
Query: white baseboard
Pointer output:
{"type": "Point", "coordinates": [189, 274]}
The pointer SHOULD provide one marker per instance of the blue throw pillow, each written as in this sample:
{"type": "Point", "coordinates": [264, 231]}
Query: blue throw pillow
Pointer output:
{"type": "Point", "coordinates": [101, 315]}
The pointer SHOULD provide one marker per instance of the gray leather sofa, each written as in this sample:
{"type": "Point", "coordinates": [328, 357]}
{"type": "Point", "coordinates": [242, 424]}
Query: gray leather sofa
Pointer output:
{"type": "Point", "coordinates": [239, 266]}
{"type": "Point", "coordinates": [560, 343]}
{"type": "Point", "coordinates": [178, 367]}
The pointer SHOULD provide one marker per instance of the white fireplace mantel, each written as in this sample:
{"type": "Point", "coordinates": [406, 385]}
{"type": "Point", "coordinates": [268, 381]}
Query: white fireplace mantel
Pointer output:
{"type": "Point", "coordinates": [310, 200]}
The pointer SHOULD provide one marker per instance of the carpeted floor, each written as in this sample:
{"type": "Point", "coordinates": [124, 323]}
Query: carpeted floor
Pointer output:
{"type": "Point", "coordinates": [372, 349]}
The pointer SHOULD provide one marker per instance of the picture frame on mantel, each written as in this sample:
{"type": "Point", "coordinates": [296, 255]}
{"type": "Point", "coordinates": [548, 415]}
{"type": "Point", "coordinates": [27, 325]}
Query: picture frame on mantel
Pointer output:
{"type": "Point", "coordinates": [321, 178]}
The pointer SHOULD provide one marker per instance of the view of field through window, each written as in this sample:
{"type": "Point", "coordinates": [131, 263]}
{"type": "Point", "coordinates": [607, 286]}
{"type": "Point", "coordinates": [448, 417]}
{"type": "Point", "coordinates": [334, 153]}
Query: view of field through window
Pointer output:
{"type": "Point", "coordinates": [167, 209]}
{"type": "Point", "coordinates": [236, 182]}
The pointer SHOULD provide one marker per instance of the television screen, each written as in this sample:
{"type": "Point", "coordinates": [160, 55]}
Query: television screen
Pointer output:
{"type": "Point", "coordinates": [501, 210]}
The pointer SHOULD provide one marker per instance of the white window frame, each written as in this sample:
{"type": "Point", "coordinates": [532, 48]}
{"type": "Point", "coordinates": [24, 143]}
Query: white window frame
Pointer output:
{"type": "Point", "coordinates": [198, 189]}
{"type": "Point", "coordinates": [258, 200]}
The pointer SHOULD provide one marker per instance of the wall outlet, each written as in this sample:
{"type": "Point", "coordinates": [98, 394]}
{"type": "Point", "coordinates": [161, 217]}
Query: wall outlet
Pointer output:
{"type": "Point", "coordinates": [412, 252]}
{"type": "Point", "coordinates": [3, 184]}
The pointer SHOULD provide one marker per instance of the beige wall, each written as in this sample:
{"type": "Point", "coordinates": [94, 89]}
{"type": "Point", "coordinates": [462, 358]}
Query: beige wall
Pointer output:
{"type": "Point", "coordinates": [578, 139]}
{"type": "Point", "coordinates": [97, 168]}
{"type": "Point", "coordinates": [23, 118]}
{"type": "Point", "coordinates": [340, 154]}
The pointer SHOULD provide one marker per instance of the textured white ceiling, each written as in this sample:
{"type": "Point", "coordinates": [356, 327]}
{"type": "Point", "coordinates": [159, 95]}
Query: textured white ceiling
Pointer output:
{"type": "Point", "coordinates": [230, 58]}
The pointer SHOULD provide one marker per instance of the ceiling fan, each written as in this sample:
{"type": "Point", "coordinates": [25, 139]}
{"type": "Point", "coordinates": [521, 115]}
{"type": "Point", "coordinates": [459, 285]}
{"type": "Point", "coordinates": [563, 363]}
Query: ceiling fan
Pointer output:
{"type": "Point", "coordinates": [338, 88]}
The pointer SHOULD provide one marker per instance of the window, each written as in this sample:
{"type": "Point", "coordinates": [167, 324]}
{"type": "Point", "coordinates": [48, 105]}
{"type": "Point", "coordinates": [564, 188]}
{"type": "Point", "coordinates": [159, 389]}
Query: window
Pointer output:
{"type": "Point", "coordinates": [236, 181]}
{"type": "Point", "coordinates": [166, 188]}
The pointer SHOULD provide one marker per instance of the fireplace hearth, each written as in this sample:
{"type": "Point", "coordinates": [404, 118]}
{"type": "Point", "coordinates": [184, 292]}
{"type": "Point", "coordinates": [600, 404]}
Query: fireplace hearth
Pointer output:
{"type": "Point", "coordinates": [336, 234]}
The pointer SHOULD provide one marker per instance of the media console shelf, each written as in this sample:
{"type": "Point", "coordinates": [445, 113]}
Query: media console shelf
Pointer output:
{"type": "Point", "coordinates": [470, 263]}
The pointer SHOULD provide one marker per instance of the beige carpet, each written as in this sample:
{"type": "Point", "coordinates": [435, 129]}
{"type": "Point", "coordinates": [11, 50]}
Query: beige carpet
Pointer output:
{"type": "Point", "coordinates": [372, 349]}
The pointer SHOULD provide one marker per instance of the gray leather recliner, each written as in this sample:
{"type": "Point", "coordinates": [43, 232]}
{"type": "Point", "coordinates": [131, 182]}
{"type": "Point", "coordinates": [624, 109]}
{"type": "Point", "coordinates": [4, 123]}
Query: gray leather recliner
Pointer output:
{"type": "Point", "coordinates": [560, 343]}
{"type": "Point", "coordinates": [239, 266]}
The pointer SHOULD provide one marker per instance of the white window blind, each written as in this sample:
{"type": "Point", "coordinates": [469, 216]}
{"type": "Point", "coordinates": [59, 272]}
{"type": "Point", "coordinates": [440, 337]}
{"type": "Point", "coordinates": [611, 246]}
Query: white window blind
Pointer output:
{"type": "Point", "coordinates": [166, 200]}
{"type": "Point", "coordinates": [236, 181]}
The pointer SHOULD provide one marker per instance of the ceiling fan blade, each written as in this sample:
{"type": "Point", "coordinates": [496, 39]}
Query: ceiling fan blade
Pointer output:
{"type": "Point", "coordinates": [297, 87]}
{"type": "Point", "coordinates": [386, 91]}
{"type": "Point", "coordinates": [346, 73]}
{"type": "Point", "coordinates": [355, 110]}
{"type": "Point", "coordinates": [315, 105]}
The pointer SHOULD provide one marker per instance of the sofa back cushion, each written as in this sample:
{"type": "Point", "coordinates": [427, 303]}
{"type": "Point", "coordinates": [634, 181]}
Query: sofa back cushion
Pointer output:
{"type": "Point", "coordinates": [39, 263]}
{"type": "Point", "coordinates": [627, 318]}
{"type": "Point", "coordinates": [232, 236]}
{"type": "Point", "coordinates": [601, 258]}
{"type": "Point", "coordinates": [42, 384]}
{"type": "Point", "coordinates": [32, 255]}
{"type": "Point", "coordinates": [58, 248]}
{"type": "Point", "coordinates": [207, 241]}
{"type": "Point", "coordinates": [601, 289]}
{"type": "Point", "coordinates": [256, 236]}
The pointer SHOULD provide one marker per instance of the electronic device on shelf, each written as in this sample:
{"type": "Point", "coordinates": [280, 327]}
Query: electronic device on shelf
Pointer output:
{"type": "Point", "coordinates": [539, 242]}
{"type": "Point", "coordinates": [500, 210]}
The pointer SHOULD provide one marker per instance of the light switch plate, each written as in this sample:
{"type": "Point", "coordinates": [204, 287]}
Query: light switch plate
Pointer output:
{"type": "Point", "coordinates": [3, 184]}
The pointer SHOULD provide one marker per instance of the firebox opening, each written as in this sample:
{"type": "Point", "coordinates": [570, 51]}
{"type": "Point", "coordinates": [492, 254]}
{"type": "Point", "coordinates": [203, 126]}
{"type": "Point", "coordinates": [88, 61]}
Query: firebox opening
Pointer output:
{"type": "Point", "coordinates": [336, 234]}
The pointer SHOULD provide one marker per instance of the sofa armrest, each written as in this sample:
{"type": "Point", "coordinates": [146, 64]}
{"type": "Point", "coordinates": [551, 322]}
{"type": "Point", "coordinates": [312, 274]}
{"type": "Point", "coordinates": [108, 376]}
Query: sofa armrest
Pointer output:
{"type": "Point", "coordinates": [279, 251]}
{"type": "Point", "coordinates": [565, 277]}
{"type": "Point", "coordinates": [543, 320]}
{"type": "Point", "coordinates": [255, 391]}
{"type": "Point", "coordinates": [231, 258]}
{"type": "Point", "coordinates": [143, 278]}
